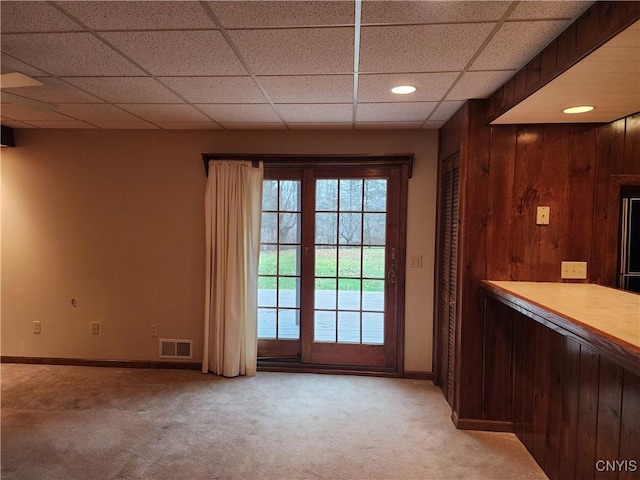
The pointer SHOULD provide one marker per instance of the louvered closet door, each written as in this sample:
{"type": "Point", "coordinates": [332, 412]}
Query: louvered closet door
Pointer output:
{"type": "Point", "coordinates": [447, 277]}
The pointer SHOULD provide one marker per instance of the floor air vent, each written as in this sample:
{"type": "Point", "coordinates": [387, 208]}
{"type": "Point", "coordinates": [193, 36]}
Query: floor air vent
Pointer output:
{"type": "Point", "coordinates": [175, 348]}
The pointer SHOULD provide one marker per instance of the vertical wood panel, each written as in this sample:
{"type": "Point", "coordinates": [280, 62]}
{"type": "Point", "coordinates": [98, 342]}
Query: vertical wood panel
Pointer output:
{"type": "Point", "coordinates": [609, 413]}
{"type": "Point", "coordinates": [580, 201]}
{"type": "Point", "coordinates": [632, 146]}
{"type": "Point", "coordinates": [610, 157]}
{"type": "Point", "coordinates": [520, 341]}
{"type": "Point", "coordinates": [524, 235]}
{"type": "Point", "coordinates": [587, 414]}
{"type": "Point", "coordinates": [474, 158]}
{"type": "Point", "coordinates": [497, 384]}
{"type": "Point", "coordinates": [541, 391]}
{"type": "Point", "coordinates": [501, 177]}
{"type": "Point", "coordinates": [630, 426]}
{"type": "Point", "coordinates": [528, 369]}
{"type": "Point", "coordinates": [554, 409]}
{"type": "Point", "coordinates": [568, 432]}
{"type": "Point", "coordinates": [552, 189]}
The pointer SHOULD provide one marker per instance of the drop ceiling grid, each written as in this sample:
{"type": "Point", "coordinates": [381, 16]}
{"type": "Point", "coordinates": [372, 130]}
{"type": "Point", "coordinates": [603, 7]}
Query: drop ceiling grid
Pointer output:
{"type": "Point", "coordinates": [266, 48]}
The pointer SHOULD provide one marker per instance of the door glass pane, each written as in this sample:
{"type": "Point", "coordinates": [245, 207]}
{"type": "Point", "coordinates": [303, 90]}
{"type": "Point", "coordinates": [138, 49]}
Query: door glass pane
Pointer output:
{"type": "Point", "coordinates": [348, 327]}
{"type": "Point", "coordinates": [374, 228]}
{"type": "Point", "coordinates": [288, 292]}
{"type": "Point", "coordinates": [349, 262]}
{"type": "Point", "coordinates": [373, 262]}
{"type": "Point", "coordinates": [324, 326]}
{"type": "Point", "coordinates": [350, 228]}
{"type": "Point", "coordinates": [325, 293]}
{"type": "Point", "coordinates": [373, 328]}
{"type": "Point", "coordinates": [350, 195]}
{"type": "Point", "coordinates": [268, 260]}
{"type": "Point", "coordinates": [349, 294]}
{"type": "Point", "coordinates": [267, 291]}
{"type": "Point", "coordinates": [289, 260]}
{"type": "Point", "coordinates": [373, 295]}
{"type": "Point", "coordinates": [289, 228]}
{"type": "Point", "coordinates": [267, 323]}
{"type": "Point", "coordinates": [289, 196]}
{"type": "Point", "coordinates": [269, 195]}
{"type": "Point", "coordinates": [289, 323]}
{"type": "Point", "coordinates": [326, 228]}
{"type": "Point", "coordinates": [326, 195]}
{"type": "Point", "coordinates": [375, 195]}
{"type": "Point", "coordinates": [269, 229]}
{"type": "Point", "coordinates": [326, 262]}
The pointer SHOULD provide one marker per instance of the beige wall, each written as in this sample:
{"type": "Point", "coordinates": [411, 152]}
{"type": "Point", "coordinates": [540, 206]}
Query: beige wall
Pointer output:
{"type": "Point", "coordinates": [114, 219]}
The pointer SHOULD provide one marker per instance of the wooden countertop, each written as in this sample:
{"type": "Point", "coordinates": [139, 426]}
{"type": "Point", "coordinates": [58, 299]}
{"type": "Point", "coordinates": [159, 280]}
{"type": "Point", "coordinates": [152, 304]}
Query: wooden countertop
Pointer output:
{"type": "Point", "coordinates": [604, 317]}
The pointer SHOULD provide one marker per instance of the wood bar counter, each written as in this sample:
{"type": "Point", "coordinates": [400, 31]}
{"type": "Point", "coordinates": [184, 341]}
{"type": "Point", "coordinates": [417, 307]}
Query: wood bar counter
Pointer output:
{"type": "Point", "coordinates": [574, 369]}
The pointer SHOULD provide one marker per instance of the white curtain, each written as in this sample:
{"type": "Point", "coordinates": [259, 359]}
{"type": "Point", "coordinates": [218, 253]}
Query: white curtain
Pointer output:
{"type": "Point", "coordinates": [233, 204]}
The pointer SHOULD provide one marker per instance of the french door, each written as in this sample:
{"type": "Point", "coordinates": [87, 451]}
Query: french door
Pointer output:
{"type": "Point", "coordinates": [331, 265]}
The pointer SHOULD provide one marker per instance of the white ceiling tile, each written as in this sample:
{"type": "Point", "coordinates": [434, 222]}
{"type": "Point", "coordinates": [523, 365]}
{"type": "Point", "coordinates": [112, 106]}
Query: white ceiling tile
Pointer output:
{"type": "Point", "coordinates": [54, 91]}
{"type": "Point", "coordinates": [137, 125]}
{"type": "Point", "coordinates": [216, 89]}
{"type": "Point", "coordinates": [189, 125]}
{"type": "Point", "coordinates": [92, 113]}
{"type": "Point", "coordinates": [68, 54]}
{"type": "Point", "coordinates": [10, 64]}
{"type": "Point", "coordinates": [526, 10]}
{"type": "Point", "coordinates": [254, 126]}
{"type": "Point", "coordinates": [296, 51]}
{"type": "Point", "coordinates": [516, 43]}
{"type": "Point", "coordinates": [316, 113]}
{"type": "Point", "coordinates": [239, 14]}
{"type": "Point", "coordinates": [203, 52]}
{"type": "Point", "coordinates": [430, 86]}
{"type": "Point", "coordinates": [309, 88]}
{"type": "Point", "coordinates": [408, 12]}
{"type": "Point", "coordinates": [445, 110]}
{"type": "Point", "coordinates": [145, 15]}
{"type": "Point", "coordinates": [394, 112]}
{"type": "Point", "coordinates": [320, 126]}
{"type": "Point", "coordinates": [388, 125]}
{"type": "Point", "coordinates": [240, 113]}
{"type": "Point", "coordinates": [166, 113]}
{"type": "Point", "coordinates": [21, 112]}
{"type": "Point", "coordinates": [479, 84]}
{"type": "Point", "coordinates": [34, 17]}
{"type": "Point", "coordinates": [60, 124]}
{"type": "Point", "coordinates": [420, 48]}
{"type": "Point", "coordinates": [125, 89]}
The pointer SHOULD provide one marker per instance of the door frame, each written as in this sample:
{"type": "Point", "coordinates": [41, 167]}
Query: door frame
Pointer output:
{"type": "Point", "coordinates": [405, 163]}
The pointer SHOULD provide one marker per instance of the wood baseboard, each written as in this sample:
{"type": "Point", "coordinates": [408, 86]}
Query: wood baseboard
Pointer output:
{"type": "Point", "coordinates": [418, 375]}
{"type": "Point", "coordinates": [482, 425]}
{"type": "Point", "coordinates": [85, 362]}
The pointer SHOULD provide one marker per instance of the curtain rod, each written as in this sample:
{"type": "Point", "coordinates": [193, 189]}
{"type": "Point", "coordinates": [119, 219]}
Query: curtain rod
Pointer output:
{"type": "Point", "coordinates": [374, 160]}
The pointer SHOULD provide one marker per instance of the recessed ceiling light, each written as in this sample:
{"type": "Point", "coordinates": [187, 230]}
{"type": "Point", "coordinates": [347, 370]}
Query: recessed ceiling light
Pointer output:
{"type": "Point", "coordinates": [403, 89]}
{"type": "Point", "coordinates": [579, 109]}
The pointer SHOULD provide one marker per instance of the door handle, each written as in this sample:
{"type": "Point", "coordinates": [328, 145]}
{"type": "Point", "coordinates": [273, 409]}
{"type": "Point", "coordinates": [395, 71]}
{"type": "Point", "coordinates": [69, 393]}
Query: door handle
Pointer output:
{"type": "Point", "coordinates": [392, 276]}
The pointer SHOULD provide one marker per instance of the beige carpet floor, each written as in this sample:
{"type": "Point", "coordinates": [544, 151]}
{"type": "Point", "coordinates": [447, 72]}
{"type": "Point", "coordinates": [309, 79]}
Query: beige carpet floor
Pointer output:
{"type": "Point", "coordinates": [61, 422]}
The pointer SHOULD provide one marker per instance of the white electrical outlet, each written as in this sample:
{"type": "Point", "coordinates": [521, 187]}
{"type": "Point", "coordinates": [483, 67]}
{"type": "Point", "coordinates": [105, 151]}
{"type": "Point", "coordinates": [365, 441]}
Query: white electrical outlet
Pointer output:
{"type": "Point", "coordinates": [36, 326]}
{"type": "Point", "coordinates": [95, 328]}
{"type": "Point", "coordinates": [574, 270]}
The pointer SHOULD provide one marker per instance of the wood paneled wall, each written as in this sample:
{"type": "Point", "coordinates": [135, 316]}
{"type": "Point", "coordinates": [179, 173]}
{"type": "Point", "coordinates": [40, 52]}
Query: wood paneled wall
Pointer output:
{"type": "Point", "coordinates": [571, 406]}
{"type": "Point", "coordinates": [506, 172]}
